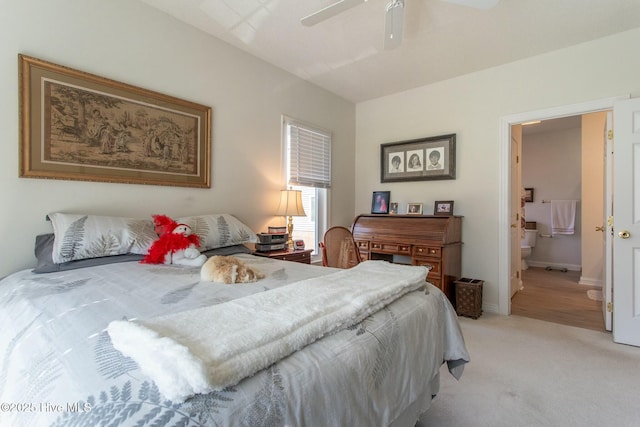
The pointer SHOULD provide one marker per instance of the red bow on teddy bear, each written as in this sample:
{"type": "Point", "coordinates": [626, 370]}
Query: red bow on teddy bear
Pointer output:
{"type": "Point", "coordinates": [175, 245]}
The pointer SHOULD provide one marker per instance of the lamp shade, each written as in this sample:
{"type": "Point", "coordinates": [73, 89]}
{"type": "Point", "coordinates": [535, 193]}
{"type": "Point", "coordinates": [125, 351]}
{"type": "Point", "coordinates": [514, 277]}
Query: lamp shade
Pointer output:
{"type": "Point", "coordinates": [290, 203]}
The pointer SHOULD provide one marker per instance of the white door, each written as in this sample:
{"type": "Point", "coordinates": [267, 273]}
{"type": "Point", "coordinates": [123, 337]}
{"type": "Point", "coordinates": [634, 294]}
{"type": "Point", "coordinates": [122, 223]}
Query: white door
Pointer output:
{"type": "Point", "coordinates": [608, 226]}
{"type": "Point", "coordinates": [515, 220]}
{"type": "Point", "coordinates": [626, 223]}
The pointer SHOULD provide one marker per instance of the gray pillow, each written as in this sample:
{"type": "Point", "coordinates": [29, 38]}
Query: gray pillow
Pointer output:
{"type": "Point", "coordinates": [44, 256]}
{"type": "Point", "coordinates": [44, 251]}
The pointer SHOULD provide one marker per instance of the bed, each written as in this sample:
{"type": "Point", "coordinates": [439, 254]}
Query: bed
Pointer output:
{"type": "Point", "coordinates": [59, 366]}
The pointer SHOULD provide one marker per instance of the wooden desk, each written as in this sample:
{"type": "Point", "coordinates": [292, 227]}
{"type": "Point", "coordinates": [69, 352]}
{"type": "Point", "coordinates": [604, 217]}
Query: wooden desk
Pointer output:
{"type": "Point", "coordinates": [428, 240]}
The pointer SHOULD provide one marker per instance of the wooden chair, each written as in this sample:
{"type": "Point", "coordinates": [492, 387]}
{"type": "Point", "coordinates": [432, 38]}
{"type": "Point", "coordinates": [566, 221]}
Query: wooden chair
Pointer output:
{"type": "Point", "coordinates": [339, 248]}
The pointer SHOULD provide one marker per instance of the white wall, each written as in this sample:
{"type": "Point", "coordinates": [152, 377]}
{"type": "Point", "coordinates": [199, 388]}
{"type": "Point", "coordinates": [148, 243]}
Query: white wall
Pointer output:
{"type": "Point", "coordinates": [471, 106]}
{"type": "Point", "coordinates": [551, 165]}
{"type": "Point", "coordinates": [131, 42]}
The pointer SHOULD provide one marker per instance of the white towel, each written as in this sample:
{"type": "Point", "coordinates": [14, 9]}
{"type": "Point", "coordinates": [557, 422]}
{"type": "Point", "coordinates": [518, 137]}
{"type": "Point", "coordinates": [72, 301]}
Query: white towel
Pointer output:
{"type": "Point", "coordinates": [209, 348]}
{"type": "Point", "coordinates": [563, 216]}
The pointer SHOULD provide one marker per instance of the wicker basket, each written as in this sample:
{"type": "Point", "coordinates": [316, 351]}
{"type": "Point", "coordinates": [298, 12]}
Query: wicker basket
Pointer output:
{"type": "Point", "coordinates": [469, 297]}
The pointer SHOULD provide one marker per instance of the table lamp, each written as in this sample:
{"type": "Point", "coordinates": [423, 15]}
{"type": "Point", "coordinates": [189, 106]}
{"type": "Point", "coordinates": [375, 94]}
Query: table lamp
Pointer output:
{"type": "Point", "coordinates": [290, 205]}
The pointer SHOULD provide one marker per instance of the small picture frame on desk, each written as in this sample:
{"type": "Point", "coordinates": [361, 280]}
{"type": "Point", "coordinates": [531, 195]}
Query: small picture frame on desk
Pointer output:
{"type": "Point", "coordinates": [414, 208]}
{"type": "Point", "coordinates": [443, 208]}
{"type": "Point", "coordinates": [380, 202]}
{"type": "Point", "coordinates": [393, 208]}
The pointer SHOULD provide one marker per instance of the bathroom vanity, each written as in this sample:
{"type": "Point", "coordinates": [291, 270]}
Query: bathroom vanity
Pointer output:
{"type": "Point", "coordinates": [432, 241]}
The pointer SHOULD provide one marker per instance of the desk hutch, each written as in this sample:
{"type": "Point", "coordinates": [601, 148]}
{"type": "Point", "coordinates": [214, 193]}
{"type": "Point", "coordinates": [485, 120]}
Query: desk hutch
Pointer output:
{"type": "Point", "coordinates": [427, 240]}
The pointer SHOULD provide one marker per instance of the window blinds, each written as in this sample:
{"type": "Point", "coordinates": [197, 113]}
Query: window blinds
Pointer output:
{"type": "Point", "coordinates": [309, 155]}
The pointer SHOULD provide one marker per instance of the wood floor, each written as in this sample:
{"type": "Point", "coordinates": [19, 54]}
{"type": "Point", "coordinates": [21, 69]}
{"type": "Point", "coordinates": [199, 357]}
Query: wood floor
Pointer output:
{"type": "Point", "coordinates": [557, 297]}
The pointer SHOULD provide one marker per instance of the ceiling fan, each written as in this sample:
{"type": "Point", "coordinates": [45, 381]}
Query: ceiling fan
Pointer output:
{"type": "Point", "coordinates": [394, 16]}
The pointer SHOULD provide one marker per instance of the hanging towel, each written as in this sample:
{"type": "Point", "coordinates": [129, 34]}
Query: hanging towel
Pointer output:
{"type": "Point", "coordinates": [563, 216]}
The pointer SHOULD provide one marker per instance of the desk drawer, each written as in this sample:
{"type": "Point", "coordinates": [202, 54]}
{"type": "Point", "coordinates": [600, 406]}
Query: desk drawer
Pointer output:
{"type": "Point", "coordinates": [363, 245]}
{"type": "Point", "coordinates": [433, 263]}
{"type": "Point", "coordinates": [431, 251]}
{"type": "Point", "coordinates": [391, 248]}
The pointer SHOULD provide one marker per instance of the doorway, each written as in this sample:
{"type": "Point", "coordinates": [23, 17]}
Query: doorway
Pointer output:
{"type": "Point", "coordinates": [505, 211]}
{"type": "Point", "coordinates": [554, 154]}
{"type": "Point", "coordinates": [562, 159]}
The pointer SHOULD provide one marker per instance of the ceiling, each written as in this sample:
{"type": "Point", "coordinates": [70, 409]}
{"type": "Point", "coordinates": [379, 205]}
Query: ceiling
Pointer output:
{"type": "Point", "coordinates": [344, 54]}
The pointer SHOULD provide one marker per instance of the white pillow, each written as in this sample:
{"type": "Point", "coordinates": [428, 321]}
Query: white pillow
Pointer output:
{"type": "Point", "coordinates": [91, 236]}
{"type": "Point", "coordinates": [219, 230]}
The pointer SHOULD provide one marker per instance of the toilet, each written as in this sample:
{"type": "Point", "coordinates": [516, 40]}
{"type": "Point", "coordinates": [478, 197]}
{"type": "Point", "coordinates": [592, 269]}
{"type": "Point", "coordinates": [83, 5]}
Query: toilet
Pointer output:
{"type": "Point", "coordinates": [527, 242]}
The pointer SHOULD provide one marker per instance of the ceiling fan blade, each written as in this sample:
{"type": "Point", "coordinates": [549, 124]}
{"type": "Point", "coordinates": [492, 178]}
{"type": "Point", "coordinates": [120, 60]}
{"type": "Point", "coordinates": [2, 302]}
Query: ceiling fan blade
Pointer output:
{"type": "Point", "coordinates": [329, 11]}
{"type": "Point", "coordinates": [393, 24]}
{"type": "Point", "coordinates": [478, 4]}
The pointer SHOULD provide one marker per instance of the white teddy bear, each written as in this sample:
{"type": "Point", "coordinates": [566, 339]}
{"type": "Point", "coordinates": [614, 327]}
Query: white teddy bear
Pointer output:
{"type": "Point", "coordinates": [176, 244]}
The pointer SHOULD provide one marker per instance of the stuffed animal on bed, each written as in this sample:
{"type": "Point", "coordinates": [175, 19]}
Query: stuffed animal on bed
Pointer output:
{"type": "Point", "coordinates": [228, 269]}
{"type": "Point", "coordinates": [176, 244]}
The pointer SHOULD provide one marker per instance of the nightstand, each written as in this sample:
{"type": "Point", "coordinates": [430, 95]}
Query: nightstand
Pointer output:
{"type": "Point", "coordinates": [302, 256]}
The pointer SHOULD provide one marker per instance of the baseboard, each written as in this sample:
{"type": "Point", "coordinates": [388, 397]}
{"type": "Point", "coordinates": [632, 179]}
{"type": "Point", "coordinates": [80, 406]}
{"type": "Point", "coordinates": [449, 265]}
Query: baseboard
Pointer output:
{"type": "Point", "coordinates": [554, 265]}
{"type": "Point", "coordinates": [490, 308]}
{"type": "Point", "coordinates": [590, 281]}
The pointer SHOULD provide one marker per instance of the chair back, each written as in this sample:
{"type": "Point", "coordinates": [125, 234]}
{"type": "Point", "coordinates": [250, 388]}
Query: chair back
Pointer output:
{"type": "Point", "coordinates": [339, 248]}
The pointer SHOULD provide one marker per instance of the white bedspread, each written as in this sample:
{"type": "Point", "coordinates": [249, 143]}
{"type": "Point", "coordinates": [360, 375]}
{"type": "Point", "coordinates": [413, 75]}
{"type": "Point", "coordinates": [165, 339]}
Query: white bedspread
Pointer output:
{"type": "Point", "coordinates": [210, 348]}
{"type": "Point", "coordinates": [58, 366]}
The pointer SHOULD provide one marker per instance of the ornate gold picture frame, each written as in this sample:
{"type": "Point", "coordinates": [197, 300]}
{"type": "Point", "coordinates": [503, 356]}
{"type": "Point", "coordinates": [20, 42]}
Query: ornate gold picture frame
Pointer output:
{"type": "Point", "coordinates": [79, 126]}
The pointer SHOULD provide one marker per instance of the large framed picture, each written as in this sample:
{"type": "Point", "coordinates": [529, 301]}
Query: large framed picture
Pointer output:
{"type": "Point", "coordinates": [421, 159]}
{"type": "Point", "coordinates": [79, 126]}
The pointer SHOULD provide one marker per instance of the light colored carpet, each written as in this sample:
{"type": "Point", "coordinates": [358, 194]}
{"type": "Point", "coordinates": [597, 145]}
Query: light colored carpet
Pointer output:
{"type": "Point", "coordinates": [594, 294]}
{"type": "Point", "coordinates": [527, 372]}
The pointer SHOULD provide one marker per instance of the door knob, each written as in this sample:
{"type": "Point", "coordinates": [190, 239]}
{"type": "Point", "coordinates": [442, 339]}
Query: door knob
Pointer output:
{"type": "Point", "coordinates": [624, 234]}
{"type": "Point", "coordinates": [513, 225]}
{"type": "Point", "coordinates": [599, 228]}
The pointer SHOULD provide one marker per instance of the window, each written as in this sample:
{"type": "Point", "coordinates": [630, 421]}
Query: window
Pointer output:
{"type": "Point", "coordinates": [307, 163]}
